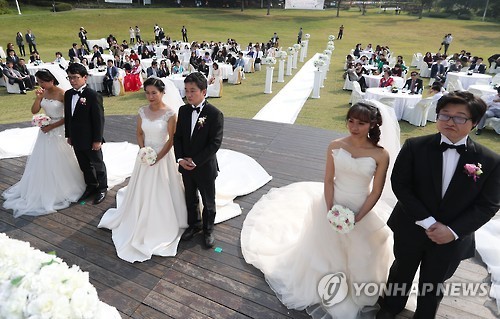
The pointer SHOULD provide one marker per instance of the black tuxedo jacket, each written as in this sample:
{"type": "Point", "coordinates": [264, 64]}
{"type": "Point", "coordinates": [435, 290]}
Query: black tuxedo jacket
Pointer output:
{"type": "Point", "coordinates": [418, 85]}
{"type": "Point", "coordinates": [72, 53]}
{"type": "Point", "coordinates": [481, 69]}
{"type": "Point", "coordinates": [86, 125]}
{"type": "Point", "coordinates": [203, 145]}
{"type": "Point", "coordinates": [466, 205]}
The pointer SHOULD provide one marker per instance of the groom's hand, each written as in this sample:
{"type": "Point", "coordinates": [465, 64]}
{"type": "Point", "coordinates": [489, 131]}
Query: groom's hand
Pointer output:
{"type": "Point", "coordinates": [187, 164]}
{"type": "Point", "coordinates": [440, 234]}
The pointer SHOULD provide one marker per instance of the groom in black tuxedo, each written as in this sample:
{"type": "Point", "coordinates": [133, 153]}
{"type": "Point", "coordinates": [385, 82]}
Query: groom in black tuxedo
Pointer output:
{"type": "Point", "coordinates": [84, 125]}
{"type": "Point", "coordinates": [197, 139]}
{"type": "Point", "coordinates": [440, 204]}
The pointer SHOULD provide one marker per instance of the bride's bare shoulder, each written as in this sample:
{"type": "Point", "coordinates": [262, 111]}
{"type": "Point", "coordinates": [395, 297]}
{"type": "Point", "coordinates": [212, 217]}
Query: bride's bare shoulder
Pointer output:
{"type": "Point", "coordinates": [338, 143]}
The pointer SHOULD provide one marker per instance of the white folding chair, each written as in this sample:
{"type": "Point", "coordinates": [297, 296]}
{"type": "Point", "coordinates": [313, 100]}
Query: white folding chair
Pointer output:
{"type": "Point", "coordinates": [417, 115]}
{"type": "Point", "coordinates": [348, 83]}
{"type": "Point", "coordinates": [235, 78]}
{"type": "Point", "coordinates": [431, 113]}
{"type": "Point", "coordinates": [11, 88]}
{"type": "Point", "coordinates": [425, 70]}
{"type": "Point", "coordinates": [215, 89]}
{"type": "Point", "coordinates": [399, 81]}
{"type": "Point", "coordinates": [356, 93]}
{"type": "Point", "coordinates": [494, 123]}
{"type": "Point", "coordinates": [496, 79]}
{"type": "Point", "coordinates": [454, 85]}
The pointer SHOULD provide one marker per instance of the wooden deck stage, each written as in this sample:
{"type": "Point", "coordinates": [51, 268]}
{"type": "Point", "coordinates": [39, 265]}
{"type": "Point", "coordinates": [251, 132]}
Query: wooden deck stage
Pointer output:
{"type": "Point", "coordinates": [198, 283]}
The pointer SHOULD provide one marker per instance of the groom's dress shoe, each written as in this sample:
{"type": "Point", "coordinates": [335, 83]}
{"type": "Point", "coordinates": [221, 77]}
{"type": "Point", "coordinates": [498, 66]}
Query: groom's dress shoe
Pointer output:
{"type": "Point", "coordinates": [190, 232]}
{"type": "Point", "coordinates": [99, 197]}
{"type": "Point", "coordinates": [209, 240]}
{"type": "Point", "coordinates": [88, 192]}
{"type": "Point", "coordinates": [384, 314]}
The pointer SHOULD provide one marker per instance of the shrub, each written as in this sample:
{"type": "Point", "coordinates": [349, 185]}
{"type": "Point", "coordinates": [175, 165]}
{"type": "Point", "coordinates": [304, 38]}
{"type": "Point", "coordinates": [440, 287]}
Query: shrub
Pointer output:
{"type": "Point", "coordinates": [464, 17]}
{"type": "Point", "coordinates": [439, 15]}
{"type": "Point", "coordinates": [4, 7]}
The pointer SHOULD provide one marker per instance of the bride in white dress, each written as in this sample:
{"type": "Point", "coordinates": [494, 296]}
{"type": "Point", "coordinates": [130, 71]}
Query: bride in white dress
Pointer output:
{"type": "Point", "coordinates": [44, 189]}
{"type": "Point", "coordinates": [287, 236]}
{"type": "Point", "coordinates": [151, 211]}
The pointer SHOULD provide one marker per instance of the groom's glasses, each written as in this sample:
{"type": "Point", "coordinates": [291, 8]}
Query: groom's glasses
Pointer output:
{"type": "Point", "coordinates": [456, 119]}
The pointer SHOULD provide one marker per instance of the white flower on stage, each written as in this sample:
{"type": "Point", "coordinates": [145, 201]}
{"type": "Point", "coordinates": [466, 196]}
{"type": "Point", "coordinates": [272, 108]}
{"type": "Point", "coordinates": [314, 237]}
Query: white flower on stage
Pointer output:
{"type": "Point", "coordinates": [34, 284]}
{"type": "Point", "coordinates": [296, 46]}
{"type": "Point", "coordinates": [331, 37]}
{"type": "Point", "coordinates": [307, 36]}
{"type": "Point", "coordinates": [269, 60]}
{"type": "Point", "coordinates": [147, 155]}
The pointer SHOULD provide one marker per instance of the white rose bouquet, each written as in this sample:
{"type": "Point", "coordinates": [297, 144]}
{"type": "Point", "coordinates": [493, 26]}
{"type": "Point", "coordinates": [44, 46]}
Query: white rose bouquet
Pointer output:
{"type": "Point", "coordinates": [281, 55]}
{"type": "Point", "coordinates": [307, 36]}
{"type": "Point", "coordinates": [40, 120]}
{"type": "Point", "coordinates": [323, 57]}
{"type": "Point", "coordinates": [34, 284]}
{"type": "Point", "coordinates": [296, 46]}
{"type": "Point", "coordinates": [331, 37]}
{"type": "Point", "coordinates": [330, 43]}
{"type": "Point", "coordinates": [319, 63]}
{"type": "Point", "coordinates": [290, 50]}
{"type": "Point", "coordinates": [341, 219]}
{"type": "Point", "coordinates": [327, 52]}
{"type": "Point", "coordinates": [147, 155]}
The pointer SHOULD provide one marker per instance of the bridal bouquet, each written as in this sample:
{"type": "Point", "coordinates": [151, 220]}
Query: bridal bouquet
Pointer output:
{"type": "Point", "coordinates": [147, 155]}
{"type": "Point", "coordinates": [40, 120]}
{"type": "Point", "coordinates": [341, 219]}
{"type": "Point", "coordinates": [34, 284]}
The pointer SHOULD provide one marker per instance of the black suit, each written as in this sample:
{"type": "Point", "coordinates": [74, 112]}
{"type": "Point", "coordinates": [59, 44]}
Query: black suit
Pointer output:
{"type": "Point", "coordinates": [202, 147]}
{"type": "Point", "coordinates": [466, 206]}
{"type": "Point", "coordinates": [416, 87]}
{"type": "Point", "coordinates": [481, 68]}
{"type": "Point", "coordinates": [84, 127]}
{"type": "Point", "coordinates": [73, 53]}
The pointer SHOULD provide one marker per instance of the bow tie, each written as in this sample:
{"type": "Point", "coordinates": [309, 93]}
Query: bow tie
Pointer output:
{"type": "Point", "coordinates": [73, 92]}
{"type": "Point", "coordinates": [459, 148]}
{"type": "Point", "coordinates": [197, 109]}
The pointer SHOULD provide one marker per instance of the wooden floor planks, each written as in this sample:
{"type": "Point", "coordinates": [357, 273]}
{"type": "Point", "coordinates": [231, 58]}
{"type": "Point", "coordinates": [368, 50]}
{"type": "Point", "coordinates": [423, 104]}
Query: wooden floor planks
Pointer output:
{"type": "Point", "coordinates": [198, 283]}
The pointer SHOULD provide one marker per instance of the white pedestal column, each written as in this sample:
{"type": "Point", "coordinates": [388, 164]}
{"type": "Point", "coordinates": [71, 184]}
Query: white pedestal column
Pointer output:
{"type": "Point", "coordinates": [295, 56]}
{"type": "Point", "coordinates": [289, 62]}
{"type": "Point", "coordinates": [317, 82]}
{"type": "Point", "coordinates": [281, 70]}
{"type": "Point", "coordinates": [302, 56]}
{"type": "Point", "coordinates": [322, 76]}
{"type": "Point", "coordinates": [305, 47]}
{"type": "Point", "coordinates": [269, 80]}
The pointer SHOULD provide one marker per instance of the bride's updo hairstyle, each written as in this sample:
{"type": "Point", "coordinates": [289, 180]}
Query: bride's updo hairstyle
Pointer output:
{"type": "Point", "coordinates": [46, 76]}
{"type": "Point", "coordinates": [156, 82]}
{"type": "Point", "coordinates": [370, 114]}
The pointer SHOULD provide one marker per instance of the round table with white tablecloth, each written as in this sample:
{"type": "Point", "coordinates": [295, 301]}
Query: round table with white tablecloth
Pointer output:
{"type": "Point", "coordinates": [105, 57]}
{"type": "Point", "coordinates": [481, 89]}
{"type": "Point", "coordinates": [95, 79]}
{"type": "Point", "coordinates": [103, 43]}
{"type": "Point", "coordinates": [467, 80]}
{"type": "Point", "coordinates": [2, 53]}
{"type": "Point", "coordinates": [400, 100]}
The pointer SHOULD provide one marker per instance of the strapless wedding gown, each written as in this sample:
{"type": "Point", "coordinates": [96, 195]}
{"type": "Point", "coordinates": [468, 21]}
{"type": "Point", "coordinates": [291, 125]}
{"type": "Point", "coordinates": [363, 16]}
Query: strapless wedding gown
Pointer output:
{"type": "Point", "coordinates": [151, 211]}
{"type": "Point", "coordinates": [287, 236]}
{"type": "Point", "coordinates": [52, 179]}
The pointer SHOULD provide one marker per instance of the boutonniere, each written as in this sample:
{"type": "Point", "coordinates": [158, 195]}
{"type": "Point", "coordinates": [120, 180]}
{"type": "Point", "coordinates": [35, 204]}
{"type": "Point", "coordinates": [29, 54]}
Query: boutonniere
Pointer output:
{"type": "Point", "coordinates": [83, 101]}
{"type": "Point", "coordinates": [473, 170]}
{"type": "Point", "coordinates": [201, 121]}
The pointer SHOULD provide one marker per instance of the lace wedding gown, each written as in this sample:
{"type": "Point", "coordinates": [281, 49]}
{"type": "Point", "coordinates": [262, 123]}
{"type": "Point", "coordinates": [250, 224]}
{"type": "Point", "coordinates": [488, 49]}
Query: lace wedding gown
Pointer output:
{"type": "Point", "coordinates": [287, 236]}
{"type": "Point", "coordinates": [52, 178]}
{"type": "Point", "coordinates": [151, 211]}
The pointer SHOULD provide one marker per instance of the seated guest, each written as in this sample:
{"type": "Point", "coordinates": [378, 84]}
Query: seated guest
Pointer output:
{"type": "Point", "coordinates": [155, 71]}
{"type": "Point", "coordinates": [219, 57]}
{"type": "Point", "coordinates": [203, 68]}
{"type": "Point", "coordinates": [493, 110]}
{"type": "Point", "coordinates": [98, 62]}
{"type": "Point", "coordinates": [364, 60]}
{"type": "Point", "coordinates": [132, 81]}
{"type": "Point", "coordinates": [194, 60]}
{"type": "Point", "coordinates": [438, 70]}
{"type": "Point", "coordinates": [13, 76]}
{"type": "Point", "coordinates": [478, 66]}
{"type": "Point", "coordinates": [35, 57]}
{"type": "Point", "coordinates": [118, 62]}
{"type": "Point", "coordinates": [455, 67]}
{"type": "Point", "coordinates": [357, 50]}
{"type": "Point", "coordinates": [356, 74]}
{"type": "Point", "coordinates": [239, 62]}
{"type": "Point", "coordinates": [12, 57]}
{"type": "Point", "coordinates": [397, 70]}
{"type": "Point", "coordinates": [177, 69]}
{"type": "Point", "coordinates": [61, 61]}
{"type": "Point", "coordinates": [73, 53]}
{"type": "Point", "coordinates": [146, 54]}
{"type": "Point", "coordinates": [133, 56]}
{"type": "Point", "coordinates": [436, 91]}
{"type": "Point", "coordinates": [494, 58]}
{"type": "Point", "coordinates": [216, 73]}
{"type": "Point", "coordinates": [207, 58]}
{"type": "Point", "coordinates": [23, 69]}
{"type": "Point", "coordinates": [96, 53]}
{"type": "Point", "coordinates": [173, 57]}
{"type": "Point", "coordinates": [85, 63]}
{"type": "Point", "coordinates": [386, 80]}
{"type": "Point", "coordinates": [164, 71]}
{"type": "Point", "coordinates": [82, 51]}
{"type": "Point", "coordinates": [127, 64]}
{"type": "Point", "coordinates": [111, 75]}
{"type": "Point", "coordinates": [414, 84]}
{"type": "Point", "coordinates": [428, 59]}
{"type": "Point", "coordinates": [401, 62]}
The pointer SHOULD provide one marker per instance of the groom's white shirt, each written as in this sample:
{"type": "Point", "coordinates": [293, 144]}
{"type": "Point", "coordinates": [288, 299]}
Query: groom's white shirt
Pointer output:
{"type": "Point", "coordinates": [450, 161]}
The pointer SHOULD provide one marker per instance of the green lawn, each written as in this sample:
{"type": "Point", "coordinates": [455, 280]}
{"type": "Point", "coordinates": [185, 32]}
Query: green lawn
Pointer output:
{"type": "Point", "coordinates": [403, 34]}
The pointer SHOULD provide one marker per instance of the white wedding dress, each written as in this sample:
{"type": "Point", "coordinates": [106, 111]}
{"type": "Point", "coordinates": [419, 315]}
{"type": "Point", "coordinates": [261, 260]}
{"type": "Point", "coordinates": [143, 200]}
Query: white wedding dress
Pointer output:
{"type": "Point", "coordinates": [52, 179]}
{"type": "Point", "coordinates": [287, 236]}
{"type": "Point", "coordinates": [151, 211]}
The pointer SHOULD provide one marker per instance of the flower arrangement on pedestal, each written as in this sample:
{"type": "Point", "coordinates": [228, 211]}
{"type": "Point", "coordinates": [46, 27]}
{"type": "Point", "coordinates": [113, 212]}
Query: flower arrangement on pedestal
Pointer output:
{"type": "Point", "coordinates": [330, 47]}
{"type": "Point", "coordinates": [34, 284]}
{"type": "Point", "coordinates": [319, 63]}
{"type": "Point", "coordinates": [269, 60]}
{"type": "Point", "coordinates": [327, 52]}
{"type": "Point", "coordinates": [281, 55]}
{"type": "Point", "coordinates": [303, 44]}
{"type": "Point", "coordinates": [331, 37]}
{"type": "Point", "coordinates": [296, 47]}
{"type": "Point", "coordinates": [290, 50]}
{"type": "Point", "coordinates": [307, 36]}
{"type": "Point", "coordinates": [323, 57]}
{"type": "Point", "coordinates": [330, 43]}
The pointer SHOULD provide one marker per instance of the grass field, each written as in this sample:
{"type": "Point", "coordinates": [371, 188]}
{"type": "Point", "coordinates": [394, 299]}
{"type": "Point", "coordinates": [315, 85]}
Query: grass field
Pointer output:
{"type": "Point", "coordinates": [404, 35]}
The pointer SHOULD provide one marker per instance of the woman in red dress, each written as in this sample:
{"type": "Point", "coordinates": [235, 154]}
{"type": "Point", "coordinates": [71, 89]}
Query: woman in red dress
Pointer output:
{"type": "Point", "coordinates": [132, 81]}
